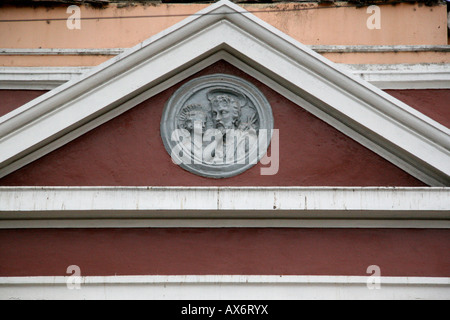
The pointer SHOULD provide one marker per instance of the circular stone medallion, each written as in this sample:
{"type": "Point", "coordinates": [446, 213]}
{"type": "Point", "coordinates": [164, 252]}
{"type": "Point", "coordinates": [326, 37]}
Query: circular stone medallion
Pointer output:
{"type": "Point", "coordinates": [217, 126]}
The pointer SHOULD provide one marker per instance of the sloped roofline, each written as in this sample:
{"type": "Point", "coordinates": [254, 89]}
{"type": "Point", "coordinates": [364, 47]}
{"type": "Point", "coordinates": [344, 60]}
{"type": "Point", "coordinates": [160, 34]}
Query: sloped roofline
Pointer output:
{"type": "Point", "coordinates": [387, 126]}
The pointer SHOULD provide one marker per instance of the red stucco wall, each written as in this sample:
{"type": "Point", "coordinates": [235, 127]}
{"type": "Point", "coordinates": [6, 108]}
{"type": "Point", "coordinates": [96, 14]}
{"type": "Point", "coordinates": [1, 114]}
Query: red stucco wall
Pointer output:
{"type": "Point", "coordinates": [98, 252]}
{"type": "Point", "coordinates": [12, 99]}
{"type": "Point", "coordinates": [433, 103]}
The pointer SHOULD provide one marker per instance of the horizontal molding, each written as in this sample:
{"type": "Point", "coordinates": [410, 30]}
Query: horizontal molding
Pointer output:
{"type": "Point", "coordinates": [394, 76]}
{"type": "Point", "coordinates": [403, 76]}
{"type": "Point", "coordinates": [218, 279]}
{"type": "Point", "coordinates": [317, 48]}
{"type": "Point", "coordinates": [61, 52]}
{"type": "Point", "coordinates": [224, 223]}
{"type": "Point", "coordinates": [229, 287]}
{"type": "Point", "coordinates": [379, 49]}
{"type": "Point", "coordinates": [20, 204]}
{"type": "Point", "coordinates": [37, 78]}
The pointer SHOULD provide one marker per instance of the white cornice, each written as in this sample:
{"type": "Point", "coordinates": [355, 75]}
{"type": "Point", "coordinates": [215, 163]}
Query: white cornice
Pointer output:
{"type": "Point", "coordinates": [227, 287]}
{"type": "Point", "coordinates": [397, 132]}
{"type": "Point", "coordinates": [391, 76]}
{"type": "Point", "coordinates": [223, 279]}
{"type": "Point", "coordinates": [344, 223]}
{"type": "Point", "coordinates": [87, 207]}
{"type": "Point", "coordinates": [37, 78]}
{"type": "Point", "coordinates": [379, 49]}
{"type": "Point", "coordinates": [403, 76]}
{"type": "Point", "coordinates": [61, 52]}
{"type": "Point", "coordinates": [316, 48]}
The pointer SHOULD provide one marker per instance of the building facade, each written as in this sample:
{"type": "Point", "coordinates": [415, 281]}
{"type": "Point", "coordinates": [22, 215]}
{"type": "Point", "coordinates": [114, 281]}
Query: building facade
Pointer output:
{"type": "Point", "coordinates": [224, 151]}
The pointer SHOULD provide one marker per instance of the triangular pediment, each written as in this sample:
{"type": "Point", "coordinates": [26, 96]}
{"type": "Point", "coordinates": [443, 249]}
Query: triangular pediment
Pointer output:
{"type": "Point", "coordinates": [129, 151]}
{"type": "Point", "coordinates": [224, 31]}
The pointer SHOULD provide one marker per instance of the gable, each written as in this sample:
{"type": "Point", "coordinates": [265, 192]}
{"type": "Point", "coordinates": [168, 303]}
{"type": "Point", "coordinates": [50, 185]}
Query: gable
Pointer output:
{"type": "Point", "coordinates": [128, 151]}
{"type": "Point", "coordinates": [396, 132]}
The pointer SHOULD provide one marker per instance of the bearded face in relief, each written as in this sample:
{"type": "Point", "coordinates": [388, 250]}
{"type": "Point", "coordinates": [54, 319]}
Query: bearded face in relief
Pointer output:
{"type": "Point", "coordinates": [226, 112]}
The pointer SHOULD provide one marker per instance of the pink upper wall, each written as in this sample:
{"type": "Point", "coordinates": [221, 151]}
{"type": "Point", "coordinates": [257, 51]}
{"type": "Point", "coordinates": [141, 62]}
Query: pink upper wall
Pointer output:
{"type": "Point", "coordinates": [403, 24]}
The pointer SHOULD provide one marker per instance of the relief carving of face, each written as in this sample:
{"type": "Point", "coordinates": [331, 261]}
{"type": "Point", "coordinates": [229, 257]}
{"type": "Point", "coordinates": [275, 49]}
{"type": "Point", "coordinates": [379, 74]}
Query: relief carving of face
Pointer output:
{"type": "Point", "coordinates": [191, 116]}
{"type": "Point", "coordinates": [226, 112]}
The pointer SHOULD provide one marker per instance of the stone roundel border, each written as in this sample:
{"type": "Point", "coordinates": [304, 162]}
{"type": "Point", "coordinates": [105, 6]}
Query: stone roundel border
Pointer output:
{"type": "Point", "coordinates": [183, 94]}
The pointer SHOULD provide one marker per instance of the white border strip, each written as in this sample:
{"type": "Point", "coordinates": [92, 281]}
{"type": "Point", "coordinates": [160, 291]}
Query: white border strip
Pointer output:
{"type": "Point", "coordinates": [228, 287]}
{"type": "Point", "coordinates": [379, 49]}
{"type": "Point", "coordinates": [219, 279]}
{"type": "Point", "coordinates": [223, 206]}
{"type": "Point", "coordinates": [394, 76]}
{"type": "Point", "coordinates": [316, 48]}
{"type": "Point", "coordinates": [403, 76]}
{"type": "Point", "coordinates": [414, 201]}
{"type": "Point", "coordinates": [37, 78]}
{"type": "Point", "coordinates": [224, 223]}
{"type": "Point", "coordinates": [61, 52]}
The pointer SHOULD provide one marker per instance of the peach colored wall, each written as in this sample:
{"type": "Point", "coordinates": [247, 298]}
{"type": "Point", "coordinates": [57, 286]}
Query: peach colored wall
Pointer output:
{"type": "Point", "coordinates": [389, 57]}
{"type": "Point", "coordinates": [400, 25]}
{"type": "Point", "coordinates": [109, 33]}
{"type": "Point", "coordinates": [52, 61]}
{"type": "Point", "coordinates": [347, 58]}
{"type": "Point", "coordinates": [404, 24]}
